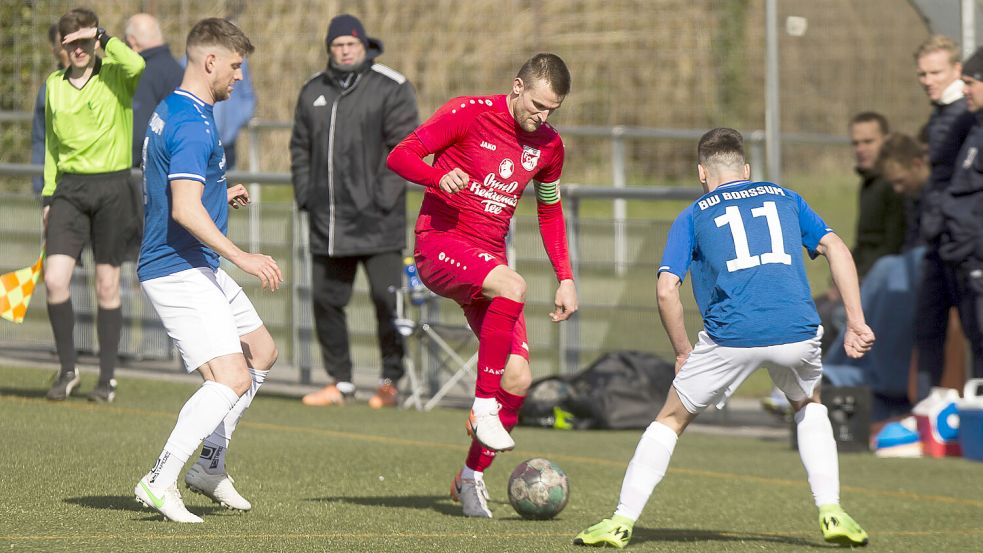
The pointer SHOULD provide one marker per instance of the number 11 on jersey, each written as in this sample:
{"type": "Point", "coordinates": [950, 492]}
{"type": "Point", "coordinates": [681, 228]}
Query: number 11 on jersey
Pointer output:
{"type": "Point", "coordinates": [744, 260]}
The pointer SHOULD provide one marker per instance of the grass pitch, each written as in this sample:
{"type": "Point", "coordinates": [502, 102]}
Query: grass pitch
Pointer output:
{"type": "Point", "coordinates": [353, 479]}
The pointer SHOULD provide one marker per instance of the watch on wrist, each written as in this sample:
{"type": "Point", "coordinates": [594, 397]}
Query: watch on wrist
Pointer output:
{"type": "Point", "coordinates": [101, 36]}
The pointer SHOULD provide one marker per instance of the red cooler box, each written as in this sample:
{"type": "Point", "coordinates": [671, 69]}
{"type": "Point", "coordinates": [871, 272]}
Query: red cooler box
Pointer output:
{"type": "Point", "coordinates": [938, 423]}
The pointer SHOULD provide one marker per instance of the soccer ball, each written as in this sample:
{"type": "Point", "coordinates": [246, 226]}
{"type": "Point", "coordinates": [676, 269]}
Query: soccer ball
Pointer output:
{"type": "Point", "coordinates": [538, 489]}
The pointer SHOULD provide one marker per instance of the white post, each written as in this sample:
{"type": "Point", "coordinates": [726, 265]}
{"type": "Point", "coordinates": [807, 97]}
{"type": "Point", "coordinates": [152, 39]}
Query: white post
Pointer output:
{"type": "Point", "coordinates": [773, 138]}
{"type": "Point", "coordinates": [255, 191]}
{"type": "Point", "coordinates": [968, 27]}
{"type": "Point", "coordinates": [618, 179]}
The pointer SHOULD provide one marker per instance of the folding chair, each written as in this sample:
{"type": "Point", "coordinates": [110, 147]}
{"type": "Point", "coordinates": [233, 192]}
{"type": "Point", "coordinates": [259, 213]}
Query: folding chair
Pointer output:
{"type": "Point", "coordinates": [433, 339]}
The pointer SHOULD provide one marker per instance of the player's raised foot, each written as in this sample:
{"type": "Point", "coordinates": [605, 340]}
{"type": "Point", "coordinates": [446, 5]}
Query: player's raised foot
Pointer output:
{"type": "Point", "coordinates": [104, 392]}
{"type": "Point", "coordinates": [488, 430]}
{"type": "Point", "coordinates": [614, 531]}
{"type": "Point", "coordinates": [839, 527]}
{"type": "Point", "coordinates": [167, 502]}
{"type": "Point", "coordinates": [65, 384]}
{"type": "Point", "coordinates": [474, 498]}
{"type": "Point", "coordinates": [217, 487]}
{"type": "Point", "coordinates": [456, 485]}
{"type": "Point", "coordinates": [326, 396]}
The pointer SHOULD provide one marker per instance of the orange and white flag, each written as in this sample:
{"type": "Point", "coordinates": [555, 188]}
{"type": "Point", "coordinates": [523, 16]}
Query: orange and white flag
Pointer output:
{"type": "Point", "coordinates": [15, 291]}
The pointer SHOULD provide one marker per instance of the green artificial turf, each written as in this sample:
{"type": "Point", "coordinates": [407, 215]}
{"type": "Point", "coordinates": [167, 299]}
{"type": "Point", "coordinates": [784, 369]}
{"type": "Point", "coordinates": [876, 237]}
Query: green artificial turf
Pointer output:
{"type": "Point", "coordinates": [353, 479]}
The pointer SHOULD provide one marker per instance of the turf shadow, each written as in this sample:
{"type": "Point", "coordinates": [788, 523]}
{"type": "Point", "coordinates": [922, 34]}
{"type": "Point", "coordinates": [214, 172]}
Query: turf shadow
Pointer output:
{"type": "Point", "coordinates": [690, 535]}
{"type": "Point", "coordinates": [128, 503]}
{"type": "Point", "coordinates": [28, 393]}
{"type": "Point", "coordinates": [438, 503]}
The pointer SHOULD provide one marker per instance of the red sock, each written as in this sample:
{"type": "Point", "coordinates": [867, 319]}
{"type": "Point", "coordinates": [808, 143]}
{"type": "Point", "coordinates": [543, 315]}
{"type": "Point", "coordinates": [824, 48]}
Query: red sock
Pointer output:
{"type": "Point", "coordinates": [480, 458]}
{"type": "Point", "coordinates": [495, 344]}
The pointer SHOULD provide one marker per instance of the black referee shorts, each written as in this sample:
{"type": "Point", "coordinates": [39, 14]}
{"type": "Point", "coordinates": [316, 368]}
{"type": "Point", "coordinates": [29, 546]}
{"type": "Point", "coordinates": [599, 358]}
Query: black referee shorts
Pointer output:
{"type": "Point", "coordinates": [104, 209]}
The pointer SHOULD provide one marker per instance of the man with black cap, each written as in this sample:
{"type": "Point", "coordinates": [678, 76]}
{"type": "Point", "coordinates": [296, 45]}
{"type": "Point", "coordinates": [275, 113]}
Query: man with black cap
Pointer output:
{"type": "Point", "coordinates": [960, 237]}
{"type": "Point", "coordinates": [348, 118]}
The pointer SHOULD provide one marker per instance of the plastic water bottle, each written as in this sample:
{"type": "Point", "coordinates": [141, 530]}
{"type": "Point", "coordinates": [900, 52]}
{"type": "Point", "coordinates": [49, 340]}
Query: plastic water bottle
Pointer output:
{"type": "Point", "coordinates": [417, 290]}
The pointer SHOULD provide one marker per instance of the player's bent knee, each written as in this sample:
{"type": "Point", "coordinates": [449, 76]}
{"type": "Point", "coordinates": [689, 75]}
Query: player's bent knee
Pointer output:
{"type": "Point", "coordinates": [517, 382]}
{"type": "Point", "coordinates": [503, 281]}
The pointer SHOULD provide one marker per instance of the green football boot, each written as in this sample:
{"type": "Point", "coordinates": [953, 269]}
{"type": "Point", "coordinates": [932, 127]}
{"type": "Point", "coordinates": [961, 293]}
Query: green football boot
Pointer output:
{"type": "Point", "coordinates": [839, 528]}
{"type": "Point", "coordinates": [614, 531]}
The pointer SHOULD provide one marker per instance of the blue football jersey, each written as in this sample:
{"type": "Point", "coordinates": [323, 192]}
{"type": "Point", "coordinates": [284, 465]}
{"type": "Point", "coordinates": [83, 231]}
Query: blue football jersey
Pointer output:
{"type": "Point", "coordinates": [181, 144]}
{"type": "Point", "coordinates": [743, 243]}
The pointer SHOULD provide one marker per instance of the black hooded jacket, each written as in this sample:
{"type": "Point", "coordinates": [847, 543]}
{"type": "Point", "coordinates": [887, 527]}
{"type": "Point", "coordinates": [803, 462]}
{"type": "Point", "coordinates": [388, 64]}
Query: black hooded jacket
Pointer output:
{"type": "Point", "coordinates": [338, 148]}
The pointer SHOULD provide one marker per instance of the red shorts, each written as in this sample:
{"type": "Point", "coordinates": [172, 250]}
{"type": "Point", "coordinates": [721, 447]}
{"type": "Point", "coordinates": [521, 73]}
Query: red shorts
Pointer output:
{"type": "Point", "coordinates": [455, 269]}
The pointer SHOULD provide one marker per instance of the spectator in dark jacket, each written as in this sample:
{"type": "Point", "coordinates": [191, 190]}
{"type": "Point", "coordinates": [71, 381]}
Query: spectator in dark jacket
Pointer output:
{"type": "Point", "coordinates": [881, 213]}
{"type": "Point", "coordinates": [159, 79]}
{"type": "Point", "coordinates": [904, 164]}
{"type": "Point", "coordinates": [961, 207]}
{"type": "Point", "coordinates": [939, 72]}
{"type": "Point", "coordinates": [37, 129]}
{"type": "Point", "coordinates": [348, 118]}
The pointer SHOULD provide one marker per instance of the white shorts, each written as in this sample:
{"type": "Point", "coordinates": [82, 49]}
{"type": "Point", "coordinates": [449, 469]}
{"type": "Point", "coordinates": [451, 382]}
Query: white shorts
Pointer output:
{"type": "Point", "coordinates": [712, 373]}
{"type": "Point", "coordinates": [204, 312]}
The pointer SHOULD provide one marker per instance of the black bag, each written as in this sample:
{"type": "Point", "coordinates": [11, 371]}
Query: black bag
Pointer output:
{"type": "Point", "coordinates": [619, 390]}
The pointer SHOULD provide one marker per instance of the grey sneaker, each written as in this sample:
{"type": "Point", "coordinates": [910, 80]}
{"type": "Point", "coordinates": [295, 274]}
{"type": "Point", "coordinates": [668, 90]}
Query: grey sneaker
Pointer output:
{"type": "Point", "coordinates": [104, 392]}
{"type": "Point", "coordinates": [473, 496]}
{"type": "Point", "coordinates": [65, 384]}
{"type": "Point", "coordinates": [217, 487]}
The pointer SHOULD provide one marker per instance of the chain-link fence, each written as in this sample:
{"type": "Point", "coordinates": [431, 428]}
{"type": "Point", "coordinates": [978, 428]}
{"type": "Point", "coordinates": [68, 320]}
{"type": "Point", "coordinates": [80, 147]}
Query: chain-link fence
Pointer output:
{"type": "Point", "coordinates": [667, 64]}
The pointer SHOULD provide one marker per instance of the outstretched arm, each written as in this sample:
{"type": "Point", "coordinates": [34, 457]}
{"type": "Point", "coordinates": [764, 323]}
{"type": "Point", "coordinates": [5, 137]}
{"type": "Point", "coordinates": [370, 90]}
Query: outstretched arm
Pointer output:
{"type": "Point", "coordinates": [859, 338]}
{"type": "Point", "coordinates": [671, 313]}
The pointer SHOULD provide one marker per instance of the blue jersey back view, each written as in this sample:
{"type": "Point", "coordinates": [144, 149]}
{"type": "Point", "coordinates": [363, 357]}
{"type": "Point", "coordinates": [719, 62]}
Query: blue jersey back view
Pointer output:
{"type": "Point", "coordinates": [181, 144]}
{"type": "Point", "coordinates": [743, 243]}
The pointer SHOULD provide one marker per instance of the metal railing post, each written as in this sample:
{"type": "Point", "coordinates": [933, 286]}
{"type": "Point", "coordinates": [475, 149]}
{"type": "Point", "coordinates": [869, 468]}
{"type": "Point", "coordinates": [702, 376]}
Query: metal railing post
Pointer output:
{"type": "Point", "coordinates": [757, 140]}
{"type": "Point", "coordinates": [569, 336]}
{"type": "Point", "coordinates": [618, 177]}
{"type": "Point", "coordinates": [255, 190]}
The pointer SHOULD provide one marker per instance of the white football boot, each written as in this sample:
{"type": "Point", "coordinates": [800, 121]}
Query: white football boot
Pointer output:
{"type": "Point", "coordinates": [474, 498]}
{"type": "Point", "coordinates": [167, 502]}
{"type": "Point", "coordinates": [217, 487]}
{"type": "Point", "coordinates": [489, 432]}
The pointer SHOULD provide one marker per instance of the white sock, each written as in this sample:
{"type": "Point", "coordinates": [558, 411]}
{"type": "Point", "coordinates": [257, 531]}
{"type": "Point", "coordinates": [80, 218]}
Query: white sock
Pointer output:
{"type": "Point", "coordinates": [817, 448]}
{"type": "Point", "coordinates": [471, 474]}
{"type": "Point", "coordinates": [198, 418]}
{"type": "Point", "coordinates": [646, 469]}
{"type": "Point", "coordinates": [484, 405]}
{"type": "Point", "coordinates": [346, 388]}
{"type": "Point", "coordinates": [212, 457]}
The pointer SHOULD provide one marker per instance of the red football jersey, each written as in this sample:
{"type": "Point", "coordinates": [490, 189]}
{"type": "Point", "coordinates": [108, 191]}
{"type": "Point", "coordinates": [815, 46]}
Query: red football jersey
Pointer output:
{"type": "Point", "coordinates": [478, 135]}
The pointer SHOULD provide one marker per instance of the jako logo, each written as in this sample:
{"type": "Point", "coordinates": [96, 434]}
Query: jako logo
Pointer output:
{"type": "Point", "coordinates": [488, 146]}
{"type": "Point", "coordinates": [486, 256]}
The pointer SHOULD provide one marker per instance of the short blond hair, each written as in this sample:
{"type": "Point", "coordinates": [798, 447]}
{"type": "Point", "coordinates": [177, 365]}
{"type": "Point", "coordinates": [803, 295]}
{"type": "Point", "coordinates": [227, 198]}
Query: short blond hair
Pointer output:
{"type": "Point", "coordinates": [937, 43]}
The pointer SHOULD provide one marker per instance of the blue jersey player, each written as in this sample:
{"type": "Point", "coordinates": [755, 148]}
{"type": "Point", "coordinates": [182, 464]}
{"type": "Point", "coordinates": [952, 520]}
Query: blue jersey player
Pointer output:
{"type": "Point", "coordinates": [212, 322]}
{"type": "Point", "coordinates": [743, 243]}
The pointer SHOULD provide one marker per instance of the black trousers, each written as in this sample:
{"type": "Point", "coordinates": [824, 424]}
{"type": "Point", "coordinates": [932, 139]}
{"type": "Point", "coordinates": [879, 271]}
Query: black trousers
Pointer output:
{"type": "Point", "coordinates": [970, 292]}
{"type": "Point", "coordinates": [937, 294]}
{"type": "Point", "coordinates": [943, 286]}
{"type": "Point", "coordinates": [332, 280]}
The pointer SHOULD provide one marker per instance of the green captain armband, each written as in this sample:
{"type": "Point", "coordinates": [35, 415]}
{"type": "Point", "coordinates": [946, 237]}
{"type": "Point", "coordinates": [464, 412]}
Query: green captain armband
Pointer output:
{"type": "Point", "coordinates": [547, 192]}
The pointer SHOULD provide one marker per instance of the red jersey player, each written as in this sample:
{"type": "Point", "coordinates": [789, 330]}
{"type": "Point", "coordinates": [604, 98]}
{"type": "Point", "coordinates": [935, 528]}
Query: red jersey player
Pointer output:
{"type": "Point", "coordinates": [486, 150]}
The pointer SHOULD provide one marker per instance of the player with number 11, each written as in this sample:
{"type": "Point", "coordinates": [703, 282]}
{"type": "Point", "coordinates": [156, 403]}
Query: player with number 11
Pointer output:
{"type": "Point", "coordinates": [743, 243]}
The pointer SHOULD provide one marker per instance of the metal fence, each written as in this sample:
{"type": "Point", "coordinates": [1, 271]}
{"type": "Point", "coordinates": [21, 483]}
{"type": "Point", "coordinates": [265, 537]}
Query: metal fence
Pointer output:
{"type": "Point", "coordinates": [615, 259]}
